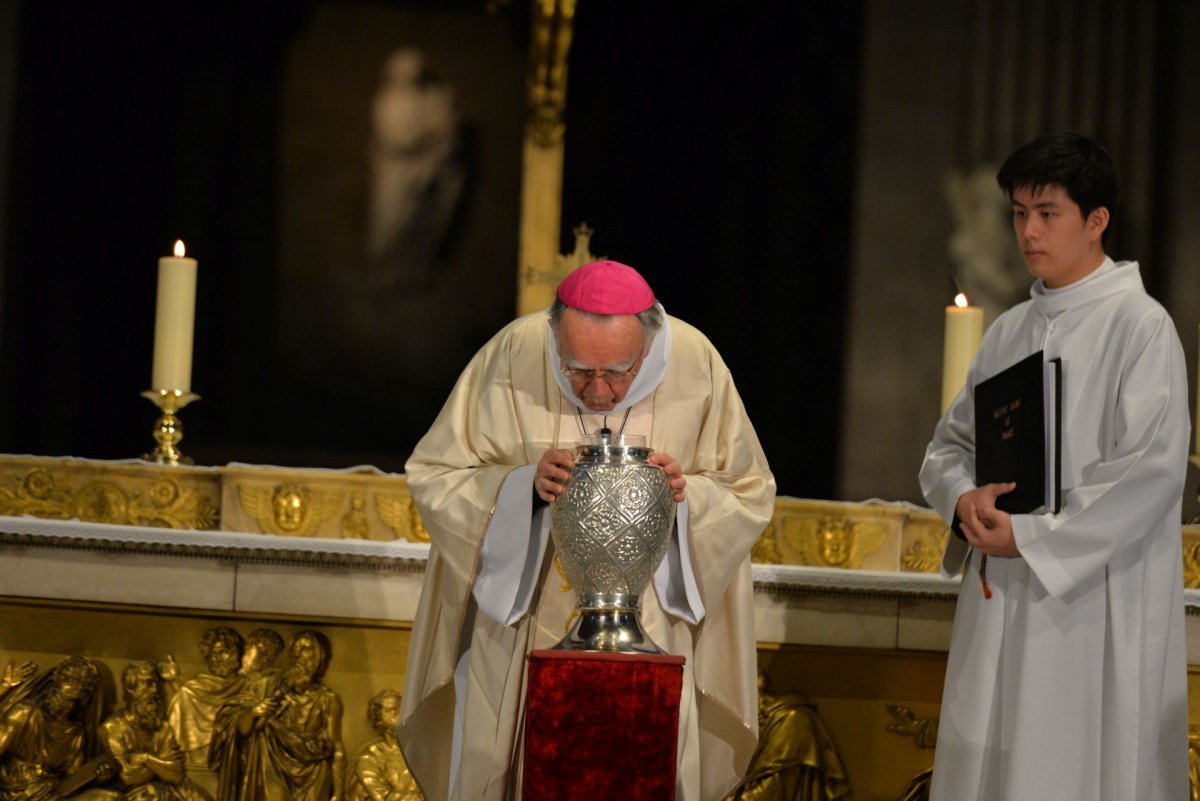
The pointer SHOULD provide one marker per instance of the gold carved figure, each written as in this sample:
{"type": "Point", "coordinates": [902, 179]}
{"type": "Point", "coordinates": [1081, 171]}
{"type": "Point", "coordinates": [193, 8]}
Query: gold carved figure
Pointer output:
{"type": "Point", "coordinates": [48, 748]}
{"type": "Point", "coordinates": [290, 504]}
{"type": "Point", "coordinates": [924, 731]}
{"type": "Point", "coordinates": [378, 771]}
{"type": "Point", "coordinates": [15, 674]}
{"type": "Point", "coordinates": [552, 32]}
{"type": "Point", "coordinates": [399, 513]}
{"type": "Point", "coordinates": [832, 541]}
{"type": "Point", "coordinates": [354, 522]}
{"type": "Point", "coordinates": [262, 648]}
{"type": "Point", "coordinates": [289, 509]}
{"type": "Point", "coordinates": [281, 740]}
{"type": "Point", "coordinates": [766, 547]}
{"type": "Point", "coordinates": [141, 740]}
{"type": "Point", "coordinates": [1194, 763]}
{"type": "Point", "coordinates": [795, 758]}
{"type": "Point", "coordinates": [197, 700]}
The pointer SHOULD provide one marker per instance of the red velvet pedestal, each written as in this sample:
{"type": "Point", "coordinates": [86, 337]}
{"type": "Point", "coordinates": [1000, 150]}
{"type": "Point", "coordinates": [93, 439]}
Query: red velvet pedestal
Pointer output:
{"type": "Point", "coordinates": [601, 726]}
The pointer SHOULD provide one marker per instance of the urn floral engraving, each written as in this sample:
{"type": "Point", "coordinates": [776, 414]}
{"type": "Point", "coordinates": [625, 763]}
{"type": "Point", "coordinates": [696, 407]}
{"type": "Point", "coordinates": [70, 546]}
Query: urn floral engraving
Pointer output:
{"type": "Point", "coordinates": [611, 527]}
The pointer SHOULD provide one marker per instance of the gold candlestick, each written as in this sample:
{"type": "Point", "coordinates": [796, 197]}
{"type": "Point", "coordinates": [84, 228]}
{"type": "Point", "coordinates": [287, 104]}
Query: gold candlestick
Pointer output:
{"type": "Point", "coordinates": [169, 430]}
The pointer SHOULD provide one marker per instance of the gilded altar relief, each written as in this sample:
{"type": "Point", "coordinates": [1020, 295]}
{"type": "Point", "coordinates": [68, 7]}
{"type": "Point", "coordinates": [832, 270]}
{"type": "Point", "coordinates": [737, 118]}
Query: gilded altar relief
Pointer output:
{"type": "Point", "coordinates": [852, 536]}
{"type": "Point", "coordinates": [243, 729]}
{"type": "Point", "coordinates": [320, 503]}
{"type": "Point", "coordinates": [356, 504]}
{"type": "Point", "coordinates": [118, 493]}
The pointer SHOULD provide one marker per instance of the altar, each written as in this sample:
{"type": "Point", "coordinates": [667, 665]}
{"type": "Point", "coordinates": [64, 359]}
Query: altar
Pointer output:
{"type": "Point", "coordinates": [129, 561]}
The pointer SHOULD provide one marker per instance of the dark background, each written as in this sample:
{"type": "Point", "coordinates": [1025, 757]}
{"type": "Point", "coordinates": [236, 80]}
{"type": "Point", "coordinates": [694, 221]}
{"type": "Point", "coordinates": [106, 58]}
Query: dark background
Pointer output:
{"type": "Point", "coordinates": [708, 144]}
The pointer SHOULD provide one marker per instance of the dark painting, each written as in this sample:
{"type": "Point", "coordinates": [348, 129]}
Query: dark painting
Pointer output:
{"type": "Point", "coordinates": [400, 179]}
{"type": "Point", "coordinates": [347, 175]}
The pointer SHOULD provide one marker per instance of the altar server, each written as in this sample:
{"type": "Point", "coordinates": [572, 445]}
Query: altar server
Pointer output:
{"type": "Point", "coordinates": [1069, 681]}
{"type": "Point", "coordinates": [604, 355]}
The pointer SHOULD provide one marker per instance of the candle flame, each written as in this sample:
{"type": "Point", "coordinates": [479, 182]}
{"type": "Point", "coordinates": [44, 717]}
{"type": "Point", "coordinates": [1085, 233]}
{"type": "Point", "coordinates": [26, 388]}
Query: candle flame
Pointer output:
{"type": "Point", "coordinates": [960, 300]}
{"type": "Point", "coordinates": [179, 249]}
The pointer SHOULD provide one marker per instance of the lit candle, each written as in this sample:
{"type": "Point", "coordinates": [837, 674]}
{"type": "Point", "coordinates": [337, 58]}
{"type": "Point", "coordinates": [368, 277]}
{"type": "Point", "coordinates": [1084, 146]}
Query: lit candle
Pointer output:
{"type": "Point", "coordinates": [964, 329]}
{"type": "Point", "coordinates": [174, 322]}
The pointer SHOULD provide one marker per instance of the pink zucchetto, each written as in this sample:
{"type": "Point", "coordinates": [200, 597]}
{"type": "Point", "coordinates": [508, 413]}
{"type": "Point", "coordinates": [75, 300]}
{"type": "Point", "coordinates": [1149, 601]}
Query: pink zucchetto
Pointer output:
{"type": "Point", "coordinates": [606, 287]}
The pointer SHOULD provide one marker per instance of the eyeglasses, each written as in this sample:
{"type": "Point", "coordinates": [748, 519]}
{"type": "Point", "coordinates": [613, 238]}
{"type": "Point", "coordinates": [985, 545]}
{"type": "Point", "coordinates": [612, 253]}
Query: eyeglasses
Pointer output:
{"type": "Point", "coordinates": [613, 378]}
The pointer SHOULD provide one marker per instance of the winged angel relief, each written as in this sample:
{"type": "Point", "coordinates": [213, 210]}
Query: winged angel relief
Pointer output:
{"type": "Point", "coordinates": [833, 542]}
{"type": "Point", "coordinates": [290, 510]}
{"type": "Point", "coordinates": [399, 513]}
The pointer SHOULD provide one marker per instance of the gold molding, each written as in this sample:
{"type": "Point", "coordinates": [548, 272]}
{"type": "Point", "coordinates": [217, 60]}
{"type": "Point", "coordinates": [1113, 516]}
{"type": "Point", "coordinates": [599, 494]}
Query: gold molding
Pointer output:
{"type": "Point", "coordinates": [245, 498]}
{"type": "Point", "coordinates": [109, 492]}
{"type": "Point", "coordinates": [367, 504]}
{"type": "Point", "coordinates": [886, 537]}
{"type": "Point", "coordinates": [854, 536]}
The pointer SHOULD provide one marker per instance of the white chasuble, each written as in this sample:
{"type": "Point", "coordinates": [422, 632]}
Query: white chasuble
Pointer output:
{"type": "Point", "coordinates": [1069, 683]}
{"type": "Point", "coordinates": [471, 471]}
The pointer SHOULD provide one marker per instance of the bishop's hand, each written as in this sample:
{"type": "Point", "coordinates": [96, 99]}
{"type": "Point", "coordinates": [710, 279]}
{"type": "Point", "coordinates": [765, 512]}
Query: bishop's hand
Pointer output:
{"type": "Point", "coordinates": [674, 471]}
{"type": "Point", "coordinates": [552, 472]}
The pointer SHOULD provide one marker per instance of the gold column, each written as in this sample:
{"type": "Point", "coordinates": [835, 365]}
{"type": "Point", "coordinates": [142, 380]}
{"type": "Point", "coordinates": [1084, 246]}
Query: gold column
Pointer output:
{"type": "Point", "coordinates": [542, 169]}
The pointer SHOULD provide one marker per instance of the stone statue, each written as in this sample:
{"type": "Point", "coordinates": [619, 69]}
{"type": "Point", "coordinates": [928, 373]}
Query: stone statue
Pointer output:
{"type": "Point", "coordinates": [989, 269]}
{"type": "Point", "coordinates": [141, 740]}
{"type": "Point", "coordinates": [15, 675]}
{"type": "Point", "coordinates": [282, 738]}
{"type": "Point", "coordinates": [795, 758]}
{"type": "Point", "coordinates": [48, 748]}
{"type": "Point", "coordinates": [197, 700]}
{"type": "Point", "coordinates": [378, 771]}
{"type": "Point", "coordinates": [263, 646]}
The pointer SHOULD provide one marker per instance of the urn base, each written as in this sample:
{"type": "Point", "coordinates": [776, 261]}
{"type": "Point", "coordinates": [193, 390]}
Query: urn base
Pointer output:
{"type": "Point", "coordinates": [608, 622]}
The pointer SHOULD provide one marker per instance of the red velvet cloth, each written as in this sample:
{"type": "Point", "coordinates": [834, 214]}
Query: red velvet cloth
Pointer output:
{"type": "Point", "coordinates": [601, 726]}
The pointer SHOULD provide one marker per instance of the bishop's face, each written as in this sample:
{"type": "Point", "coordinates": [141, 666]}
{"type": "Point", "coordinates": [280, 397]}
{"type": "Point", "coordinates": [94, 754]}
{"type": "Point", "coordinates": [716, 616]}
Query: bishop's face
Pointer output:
{"type": "Point", "coordinates": [596, 346]}
{"type": "Point", "coordinates": [1058, 244]}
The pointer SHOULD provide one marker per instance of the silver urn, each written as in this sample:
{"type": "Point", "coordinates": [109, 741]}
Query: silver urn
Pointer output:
{"type": "Point", "coordinates": [611, 526]}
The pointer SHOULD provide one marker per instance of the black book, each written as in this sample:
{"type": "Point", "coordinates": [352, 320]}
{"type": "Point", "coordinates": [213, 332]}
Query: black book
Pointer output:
{"type": "Point", "coordinates": [1018, 434]}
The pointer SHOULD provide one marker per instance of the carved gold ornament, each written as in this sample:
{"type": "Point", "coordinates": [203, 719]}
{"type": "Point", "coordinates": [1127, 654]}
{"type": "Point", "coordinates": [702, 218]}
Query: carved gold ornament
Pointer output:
{"type": "Point", "coordinates": [360, 503]}
{"type": "Point", "coordinates": [553, 21]}
{"type": "Point", "coordinates": [766, 547]}
{"type": "Point", "coordinates": [399, 513]}
{"type": "Point", "coordinates": [290, 509]}
{"type": "Point", "coordinates": [1191, 564]}
{"type": "Point", "coordinates": [924, 544]}
{"type": "Point", "coordinates": [118, 500]}
{"type": "Point", "coordinates": [354, 522]}
{"type": "Point", "coordinates": [832, 541]}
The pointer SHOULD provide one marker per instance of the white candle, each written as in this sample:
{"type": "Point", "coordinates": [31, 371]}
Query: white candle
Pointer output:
{"type": "Point", "coordinates": [964, 329]}
{"type": "Point", "coordinates": [174, 322]}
